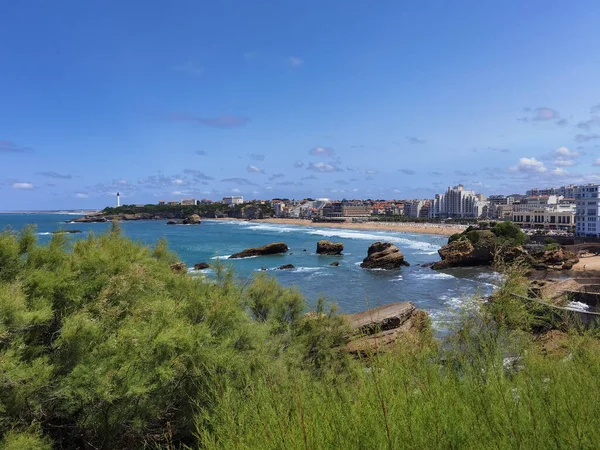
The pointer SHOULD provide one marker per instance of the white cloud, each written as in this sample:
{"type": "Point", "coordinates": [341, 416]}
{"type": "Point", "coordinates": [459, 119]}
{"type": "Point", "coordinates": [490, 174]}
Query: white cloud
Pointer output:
{"type": "Point", "coordinates": [564, 162]}
{"type": "Point", "coordinates": [559, 171]}
{"type": "Point", "coordinates": [529, 165]}
{"type": "Point", "coordinates": [319, 151]}
{"type": "Point", "coordinates": [596, 163]}
{"type": "Point", "coordinates": [371, 172]}
{"type": "Point", "coordinates": [323, 167]}
{"type": "Point", "coordinates": [22, 186]}
{"type": "Point", "coordinates": [564, 151]}
{"type": "Point", "coordinates": [298, 164]}
{"type": "Point", "coordinates": [235, 191]}
{"type": "Point", "coordinates": [254, 169]}
{"type": "Point", "coordinates": [178, 181]}
{"type": "Point", "coordinates": [81, 195]}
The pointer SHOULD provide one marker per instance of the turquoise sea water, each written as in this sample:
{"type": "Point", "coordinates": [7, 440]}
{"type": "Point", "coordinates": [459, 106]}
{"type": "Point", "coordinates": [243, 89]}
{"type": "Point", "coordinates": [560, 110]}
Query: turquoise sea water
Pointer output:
{"type": "Point", "coordinates": [442, 294]}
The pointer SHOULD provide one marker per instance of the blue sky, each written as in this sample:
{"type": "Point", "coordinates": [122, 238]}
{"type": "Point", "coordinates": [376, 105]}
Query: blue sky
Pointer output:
{"type": "Point", "coordinates": [164, 100]}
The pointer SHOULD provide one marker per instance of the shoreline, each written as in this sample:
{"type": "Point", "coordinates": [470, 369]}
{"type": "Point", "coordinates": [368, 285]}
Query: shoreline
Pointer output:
{"type": "Point", "coordinates": [398, 227]}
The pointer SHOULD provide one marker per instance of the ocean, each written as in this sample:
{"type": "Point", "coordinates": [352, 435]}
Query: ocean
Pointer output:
{"type": "Point", "coordinates": [443, 295]}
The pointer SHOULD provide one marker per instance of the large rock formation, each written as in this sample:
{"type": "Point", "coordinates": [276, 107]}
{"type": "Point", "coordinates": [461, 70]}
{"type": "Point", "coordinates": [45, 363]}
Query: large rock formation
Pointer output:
{"type": "Point", "coordinates": [554, 257]}
{"type": "Point", "coordinates": [269, 249]}
{"type": "Point", "coordinates": [329, 248]}
{"type": "Point", "coordinates": [179, 267]}
{"type": "Point", "coordinates": [286, 267]}
{"type": "Point", "coordinates": [383, 255]}
{"type": "Point", "coordinates": [477, 248]}
{"type": "Point", "coordinates": [201, 266]}
{"type": "Point", "coordinates": [380, 329]}
{"type": "Point", "coordinates": [194, 219]}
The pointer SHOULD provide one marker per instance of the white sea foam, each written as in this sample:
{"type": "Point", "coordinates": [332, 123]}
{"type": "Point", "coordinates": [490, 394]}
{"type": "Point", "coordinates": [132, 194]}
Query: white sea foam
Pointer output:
{"type": "Point", "coordinates": [307, 269]}
{"type": "Point", "coordinates": [348, 234]}
{"type": "Point", "coordinates": [433, 276]}
{"type": "Point", "coordinates": [278, 229]}
{"type": "Point", "coordinates": [225, 257]}
{"type": "Point", "coordinates": [44, 234]}
{"type": "Point", "coordinates": [578, 306]}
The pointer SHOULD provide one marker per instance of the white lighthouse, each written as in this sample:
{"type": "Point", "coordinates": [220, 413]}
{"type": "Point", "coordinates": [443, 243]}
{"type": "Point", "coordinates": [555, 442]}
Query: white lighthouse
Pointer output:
{"type": "Point", "coordinates": [118, 199]}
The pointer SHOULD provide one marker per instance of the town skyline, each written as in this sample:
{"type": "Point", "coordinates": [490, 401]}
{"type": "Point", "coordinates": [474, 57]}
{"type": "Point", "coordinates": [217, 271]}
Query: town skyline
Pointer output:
{"type": "Point", "coordinates": [386, 101]}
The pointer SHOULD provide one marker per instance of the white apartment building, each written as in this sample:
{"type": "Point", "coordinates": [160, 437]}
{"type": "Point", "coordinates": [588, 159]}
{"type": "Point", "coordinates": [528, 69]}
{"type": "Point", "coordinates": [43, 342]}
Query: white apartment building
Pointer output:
{"type": "Point", "coordinates": [413, 208]}
{"type": "Point", "coordinates": [587, 215]}
{"type": "Point", "coordinates": [551, 217]}
{"type": "Point", "coordinates": [233, 200]}
{"type": "Point", "coordinates": [458, 203]}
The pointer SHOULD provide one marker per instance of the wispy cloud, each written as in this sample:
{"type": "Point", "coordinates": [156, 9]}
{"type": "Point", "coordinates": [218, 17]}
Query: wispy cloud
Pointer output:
{"type": "Point", "coordinates": [240, 181]}
{"type": "Point", "coordinates": [415, 140]}
{"type": "Point", "coordinates": [595, 109]}
{"type": "Point", "coordinates": [289, 183]}
{"type": "Point", "coordinates": [276, 176]}
{"type": "Point", "coordinates": [564, 162]}
{"type": "Point", "coordinates": [81, 195]}
{"type": "Point", "coordinates": [310, 177]}
{"type": "Point", "coordinates": [543, 114]}
{"type": "Point", "coordinates": [462, 173]}
{"type": "Point", "coordinates": [55, 175]}
{"type": "Point", "coordinates": [294, 61]}
{"type": "Point", "coordinates": [587, 137]}
{"type": "Point", "coordinates": [253, 169]}
{"type": "Point", "coordinates": [225, 121]}
{"type": "Point", "coordinates": [322, 151]}
{"type": "Point", "coordinates": [197, 175]}
{"type": "Point", "coordinates": [11, 147]}
{"type": "Point", "coordinates": [587, 124]}
{"type": "Point", "coordinates": [597, 162]}
{"type": "Point", "coordinates": [22, 185]}
{"type": "Point", "coordinates": [298, 164]}
{"type": "Point", "coordinates": [323, 167]}
{"type": "Point", "coordinates": [256, 156]}
{"type": "Point", "coordinates": [201, 152]}
{"type": "Point", "coordinates": [407, 171]}
{"type": "Point", "coordinates": [371, 172]}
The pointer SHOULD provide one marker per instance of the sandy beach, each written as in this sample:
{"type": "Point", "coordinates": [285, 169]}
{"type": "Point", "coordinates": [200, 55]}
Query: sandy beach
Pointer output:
{"type": "Point", "coordinates": [425, 228]}
{"type": "Point", "coordinates": [587, 263]}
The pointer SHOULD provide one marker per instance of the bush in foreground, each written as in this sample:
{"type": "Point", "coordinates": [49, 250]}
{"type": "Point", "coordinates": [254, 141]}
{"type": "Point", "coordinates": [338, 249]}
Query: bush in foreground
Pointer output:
{"type": "Point", "coordinates": [103, 346]}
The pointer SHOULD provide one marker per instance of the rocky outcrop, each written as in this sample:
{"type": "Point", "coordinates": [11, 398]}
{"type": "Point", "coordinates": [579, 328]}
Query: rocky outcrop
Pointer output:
{"type": "Point", "coordinates": [66, 232]}
{"type": "Point", "coordinates": [179, 267]}
{"type": "Point", "coordinates": [201, 266]}
{"type": "Point", "coordinates": [172, 222]}
{"type": "Point", "coordinates": [275, 248]}
{"type": "Point", "coordinates": [381, 328]}
{"type": "Point", "coordinates": [335, 264]}
{"type": "Point", "coordinates": [555, 257]}
{"type": "Point", "coordinates": [194, 219]}
{"type": "Point", "coordinates": [383, 255]}
{"type": "Point", "coordinates": [286, 267]}
{"type": "Point", "coordinates": [325, 247]}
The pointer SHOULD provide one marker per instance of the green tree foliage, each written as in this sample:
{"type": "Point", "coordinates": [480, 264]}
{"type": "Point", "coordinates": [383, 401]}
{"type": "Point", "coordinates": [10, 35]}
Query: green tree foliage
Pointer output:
{"type": "Point", "coordinates": [510, 233]}
{"type": "Point", "coordinates": [101, 342]}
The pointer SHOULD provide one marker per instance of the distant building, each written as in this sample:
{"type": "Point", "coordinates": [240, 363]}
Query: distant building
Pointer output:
{"type": "Point", "coordinates": [173, 203]}
{"type": "Point", "coordinates": [189, 202]}
{"type": "Point", "coordinates": [233, 200]}
{"type": "Point", "coordinates": [346, 209]}
{"type": "Point", "coordinates": [587, 215]}
{"type": "Point", "coordinates": [458, 203]}
{"type": "Point", "coordinates": [161, 202]}
{"type": "Point", "coordinates": [413, 208]}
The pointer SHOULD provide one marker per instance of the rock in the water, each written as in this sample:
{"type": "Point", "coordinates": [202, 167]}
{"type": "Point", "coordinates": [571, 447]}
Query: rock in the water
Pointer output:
{"type": "Point", "coordinates": [172, 222]}
{"type": "Point", "coordinates": [201, 266]}
{"type": "Point", "coordinates": [335, 264]}
{"type": "Point", "coordinates": [66, 231]}
{"type": "Point", "coordinates": [383, 255]}
{"type": "Point", "coordinates": [329, 248]}
{"type": "Point", "coordinates": [286, 267]}
{"type": "Point", "coordinates": [179, 267]}
{"type": "Point", "coordinates": [380, 328]}
{"type": "Point", "coordinates": [194, 219]}
{"type": "Point", "coordinates": [275, 248]}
